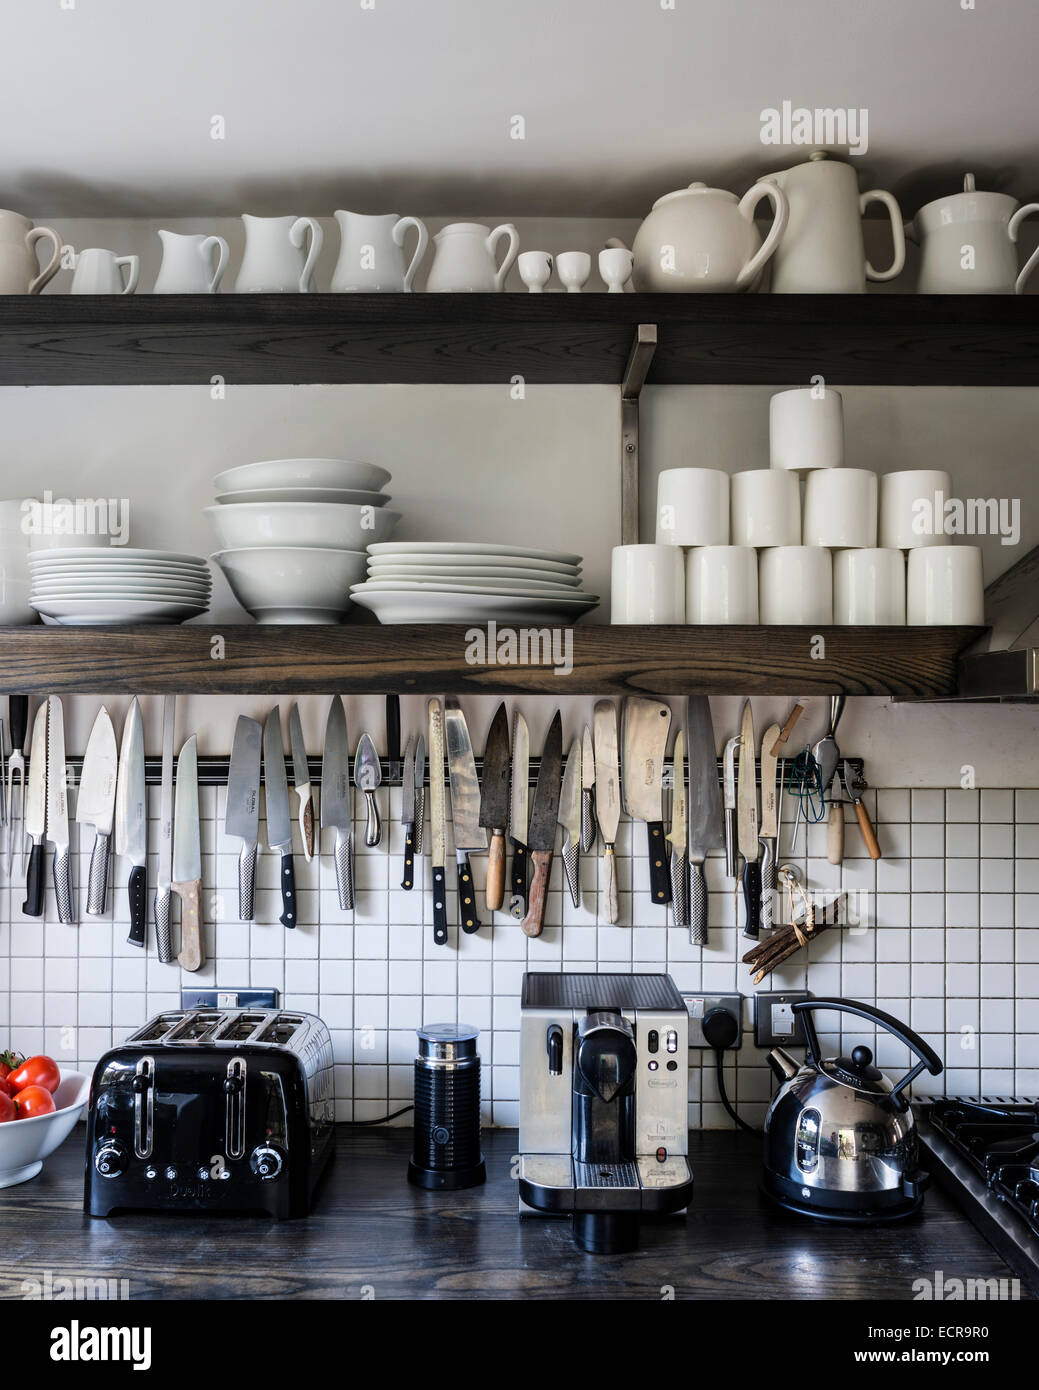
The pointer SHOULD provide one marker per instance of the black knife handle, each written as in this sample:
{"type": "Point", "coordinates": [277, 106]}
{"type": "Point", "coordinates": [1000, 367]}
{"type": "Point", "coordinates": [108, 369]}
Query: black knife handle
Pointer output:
{"type": "Point", "coordinates": [409, 858]}
{"type": "Point", "coordinates": [33, 905]}
{"type": "Point", "coordinates": [288, 891]}
{"type": "Point", "coordinates": [136, 891]}
{"type": "Point", "coordinates": [439, 905]}
{"type": "Point", "coordinates": [659, 868]}
{"type": "Point", "coordinates": [518, 879]}
{"type": "Point", "coordinates": [751, 881]}
{"type": "Point", "coordinates": [467, 916]}
{"type": "Point", "coordinates": [19, 712]}
{"type": "Point", "coordinates": [393, 733]}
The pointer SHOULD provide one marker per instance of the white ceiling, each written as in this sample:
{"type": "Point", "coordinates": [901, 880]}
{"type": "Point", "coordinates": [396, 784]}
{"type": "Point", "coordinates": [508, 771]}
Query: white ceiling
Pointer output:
{"type": "Point", "coordinates": [105, 107]}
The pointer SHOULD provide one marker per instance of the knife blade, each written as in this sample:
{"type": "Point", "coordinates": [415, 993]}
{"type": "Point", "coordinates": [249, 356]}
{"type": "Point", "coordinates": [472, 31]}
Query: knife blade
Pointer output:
{"type": "Point", "coordinates": [646, 726]}
{"type": "Point", "coordinates": [729, 778]}
{"type": "Point", "coordinates": [420, 790]}
{"type": "Point", "coordinates": [58, 810]}
{"type": "Point", "coordinates": [747, 824]}
{"type": "Point", "coordinates": [368, 776]}
{"type": "Point", "coordinates": [587, 791]}
{"type": "Point", "coordinates": [393, 738]}
{"type": "Point", "coordinates": [437, 822]}
{"type": "Point", "coordinates": [494, 804]}
{"type": "Point", "coordinates": [570, 819]}
{"type": "Point", "coordinates": [336, 808]}
{"type": "Point", "coordinates": [242, 813]}
{"type": "Point", "coordinates": [163, 940]}
{"type": "Point", "coordinates": [279, 818]}
{"type": "Point", "coordinates": [468, 833]}
{"type": "Point", "coordinates": [706, 824]}
{"type": "Point", "coordinates": [519, 814]}
{"type": "Point", "coordinates": [18, 709]}
{"type": "Point", "coordinates": [678, 837]}
{"type": "Point", "coordinates": [607, 796]}
{"type": "Point", "coordinates": [543, 819]}
{"type": "Point", "coordinates": [769, 831]}
{"type": "Point", "coordinates": [35, 813]}
{"type": "Point", "coordinates": [187, 857]}
{"type": "Point", "coordinates": [301, 783]}
{"type": "Point", "coordinates": [95, 805]}
{"type": "Point", "coordinates": [407, 813]}
{"type": "Point", "coordinates": [131, 820]}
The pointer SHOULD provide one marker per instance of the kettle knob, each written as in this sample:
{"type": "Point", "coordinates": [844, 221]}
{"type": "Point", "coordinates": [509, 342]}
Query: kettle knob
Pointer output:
{"type": "Point", "coordinates": [862, 1057]}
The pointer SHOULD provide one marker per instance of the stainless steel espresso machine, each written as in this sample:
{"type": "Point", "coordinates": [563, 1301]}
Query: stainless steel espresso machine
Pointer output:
{"type": "Point", "coordinates": [604, 1077]}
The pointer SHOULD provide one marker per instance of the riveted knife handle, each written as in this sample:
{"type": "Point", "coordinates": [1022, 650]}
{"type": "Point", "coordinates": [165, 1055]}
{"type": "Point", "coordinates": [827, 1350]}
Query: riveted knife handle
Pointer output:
{"type": "Point", "coordinates": [467, 917]}
{"type": "Point", "coordinates": [835, 834]}
{"type": "Point", "coordinates": [534, 922]}
{"type": "Point", "coordinates": [19, 721]}
{"type": "Point", "coordinates": [751, 881]}
{"type": "Point", "coordinates": [609, 884]}
{"type": "Point", "coordinates": [408, 880]}
{"type": "Point", "coordinates": [730, 842]}
{"type": "Point", "coordinates": [659, 874]}
{"type": "Point", "coordinates": [136, 892]}
{"type": "Point", "coordinates": [344, 861]}
{"type": "Point", "coordinates": [680, 888]}
{"type": "Point", "coordinates": [306, 827]}
{"type": "Point", "coordinates": [97, 883]}
{"type": "Point", "coordinates": [62, 869]}
{"type": "Point", "coordinates": [372, 829]}
{"type": "Point", "coordinates": [246, 880]}
{"type": "Point", "coordinates": [587, 820]}
{"type": "Point", "coordinates": [698, 914]}
{"type": "Point", "coordinates": [33, 905]}
{"type": "Point", "coordinates": [520, 856]}
{"type": "Point", "coordinates": [768, 883]}
{"type": "Point", "coordinates": [190, 895]}
{"type": "Point", "coordinates": [495, 893]}
{"type": "Point", "coordinates": [439, 905]}
{"type": "Point", "coordinates": [163, 937]}
{"type": "Point", "coordinates": [572, 867]}
{"type": "Point", "coordinates": [288, 891]}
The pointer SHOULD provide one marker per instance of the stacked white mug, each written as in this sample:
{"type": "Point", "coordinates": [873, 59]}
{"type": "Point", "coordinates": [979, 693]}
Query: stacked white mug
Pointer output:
{"type": "Point", "coordinates": [945, 584]}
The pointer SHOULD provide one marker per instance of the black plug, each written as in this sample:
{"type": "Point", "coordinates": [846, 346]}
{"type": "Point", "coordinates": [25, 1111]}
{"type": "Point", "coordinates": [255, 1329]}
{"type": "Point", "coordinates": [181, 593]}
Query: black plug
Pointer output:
{"type": "Point", "coordinates": [720, 1029]}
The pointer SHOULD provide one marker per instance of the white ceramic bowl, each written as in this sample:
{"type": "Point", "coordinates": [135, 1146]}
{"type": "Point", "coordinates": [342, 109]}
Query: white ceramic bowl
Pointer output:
{"type": "Point", "coordinates": [24, 1144]}
{"type": "Point", "coordinates": [300, 584]}
{"type": "Point", "coordinates": [325, 473]}
{"type": "Point", "coordinates": [311, 524]}
{"type": "Point", "coordinates": [337, 496]}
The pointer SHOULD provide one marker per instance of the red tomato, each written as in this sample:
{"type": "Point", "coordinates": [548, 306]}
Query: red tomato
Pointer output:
{"type": "Point", "coordinates": [8, 1061]}
{"type": "Point", "coordinates": [33, 1100]}
{"type": "Point", "coordinates": [37, 1071]}
{"type": "Point", "coordinates": [6, 1088]}
{"type": "Point", "coordinates": [7, 1110]}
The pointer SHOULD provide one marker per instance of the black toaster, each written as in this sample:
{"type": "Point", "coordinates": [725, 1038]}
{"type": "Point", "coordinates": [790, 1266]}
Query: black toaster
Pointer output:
{"type": "Point", "coordinates": [212, 1110]}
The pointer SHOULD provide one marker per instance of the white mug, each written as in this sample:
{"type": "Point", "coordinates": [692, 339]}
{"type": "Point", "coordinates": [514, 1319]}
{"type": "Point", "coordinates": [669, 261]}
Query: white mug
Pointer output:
{"type": "Point", "coordinates": [869, 588]}
{"type": "Point", "coordinates": [766, 508]}
{"type": "Point", "coordinates": [535, 270]}
{"type": "Point", "coordinates": [187, 263]}
{"type": "Point", "coordinates": [100, 272]}
{"type": "Point", "coordinates": [806, 429]}
{"type": "Point", "coordinates": [909, 501]}
{"type": "Point", "coordinates": [841, 508]}
{"type": "Point", "coordinates": [796, 585]}
{"type": "Point", "coordinates": [721, 584]}
{"type": "Point", "coordinates": [693, 507]}
{"type": "Point", "coordinates": [647, 584]}
{"type": "Point", "coordinates": [944, 585]}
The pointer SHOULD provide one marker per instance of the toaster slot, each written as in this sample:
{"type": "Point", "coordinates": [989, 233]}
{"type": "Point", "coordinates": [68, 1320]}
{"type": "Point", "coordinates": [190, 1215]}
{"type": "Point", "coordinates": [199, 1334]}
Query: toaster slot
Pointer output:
{"type": "Point", "coordinates": [144, 1107]}
{"type": "Point", "coordinates": [281, 1029]}
{"type": "Point", "coordinates": [156, 1028]}
{"type": "Point", "coordinates": [234, 1124]}
{"type": "Point", "coordinates": [196, 1026]}
{"type": "Point", "coordinates": [240, 1027]}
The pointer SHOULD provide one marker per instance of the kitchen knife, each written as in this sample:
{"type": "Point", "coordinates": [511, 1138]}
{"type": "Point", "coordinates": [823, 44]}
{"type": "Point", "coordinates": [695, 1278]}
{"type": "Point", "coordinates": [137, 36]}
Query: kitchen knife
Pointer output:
{"type": "Point", "coordinates": [95, 805]}
{"type": "Point", "coordinates": [301, 783]}
{"type": "Point", "coordinates": [729, 779]}
{"type": "Point", "coordinates": [678, 836]}
{"type": "Point", "coordinates": [368, 776]}
{"type": "Point", "coordinates": [519, 814]}
{"type": "Point", "coordinates": [163, 940]}
{"type": "Point", "coordinates": [19, 721]}
{"type": "Point", "coordinates": [242, 814]}
{"type": "Point", "coordinates": [494, 804]}
{"type": "Point", "coordinates": [769, 832]}
{"type": "Point", "coordinates": [393, 738]}
{"type": "Point", "coordinates": [570, 820]}
{"type": "Point", "coordinates": [607, 797]}
{"type": "Point", "coordinates": [437, 822]}
{"type": "Point", "coordinates": [279, 818]}
{"type": "Point", "coordinates": [541, 838]}
{"type": "Point", "coordinates": [587, 791]}
{"type": "Point", "coordinates": [336, 810]}
{"type": "Point", "coordinates": [827, 756]}
{"type": "Point", "coordinates": [187, 857]}
{"type": "Point", "coordinates": [131, 820]}
{"type": "Point", "coordinates": [747, 824]}
{"type": "Point", "coordinates": [58, 810]}
{"type": "Point", "coordinates": [35, 814]}
{"type": "Point", "coordinates": [407, 813]}
{"type": "Point", "coordinates": [706, 824]}
{"type": "Point", "coordinates": [468, 833]}
{"type": "Point", "coordinates": [646, 726]}
{"type": "Point", "coordinates": [420, 791]}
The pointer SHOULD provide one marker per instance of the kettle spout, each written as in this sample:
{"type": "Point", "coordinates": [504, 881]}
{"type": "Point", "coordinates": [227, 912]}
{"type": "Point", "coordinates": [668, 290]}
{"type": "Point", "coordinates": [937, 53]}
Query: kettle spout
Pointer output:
{"type": "Point", "coordinates": [782, 1064]}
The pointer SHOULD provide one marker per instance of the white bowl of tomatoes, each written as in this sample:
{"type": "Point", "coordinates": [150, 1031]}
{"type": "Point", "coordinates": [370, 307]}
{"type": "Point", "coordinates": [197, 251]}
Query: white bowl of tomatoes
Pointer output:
{"type": "Point", "coordinates": [39, 1107]}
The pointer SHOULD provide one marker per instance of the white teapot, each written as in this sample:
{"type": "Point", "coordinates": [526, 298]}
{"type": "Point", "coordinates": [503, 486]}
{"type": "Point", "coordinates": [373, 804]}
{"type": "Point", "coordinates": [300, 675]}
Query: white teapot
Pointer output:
{"type": "Point", "coordinates": [969, 243]}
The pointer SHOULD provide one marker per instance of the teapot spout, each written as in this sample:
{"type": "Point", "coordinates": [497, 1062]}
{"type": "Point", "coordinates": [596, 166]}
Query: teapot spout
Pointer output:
{"type": "Point", "coordinates": [782, 1064]}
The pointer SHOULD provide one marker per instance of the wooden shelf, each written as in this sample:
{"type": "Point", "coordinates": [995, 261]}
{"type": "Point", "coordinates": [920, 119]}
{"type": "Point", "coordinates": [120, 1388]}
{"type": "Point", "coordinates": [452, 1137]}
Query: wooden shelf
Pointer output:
{"type": "Point", "coordinates": [910, 340]}
{"type": "Point", "coordinates": [910, 662]}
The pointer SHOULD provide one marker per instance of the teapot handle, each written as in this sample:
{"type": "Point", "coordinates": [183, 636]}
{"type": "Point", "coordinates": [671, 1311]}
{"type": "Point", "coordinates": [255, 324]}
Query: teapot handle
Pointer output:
{"type": "Point", "coordinates": [764, 188]}
{"type": "Point", "coordinates": [929, 1059]}
{"type": "Point", "coordinates": [506, 229]}
{"type": "Point", "coordinates": [317, 236]}
{"type": "Point", "coordinates": [420, 250]}
{"type": "Point", "coordinates": [221, 265]}
{"type": "Point", "coordinates": [1013, 227]}
{"type": "Point", "coordinates": [898, 236]}
{"type": "Point", "coordinates": [49, 271]}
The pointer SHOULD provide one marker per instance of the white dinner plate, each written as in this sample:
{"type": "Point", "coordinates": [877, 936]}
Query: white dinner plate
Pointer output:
{"type": "Point", "coordinates": [434, 607]}
{"type": "Point", "coordinates": [459, 548]}
{"type": "Point", "coordinates": [121, 553]}
{"type": "Point", "coordinates": [526, 588]}
{"type": "Point", "coordinates": [324, 473]}
{"type": "Point", "coordinates": [379, 569]}
{"type": "Point", "coordinates": [77, 588]}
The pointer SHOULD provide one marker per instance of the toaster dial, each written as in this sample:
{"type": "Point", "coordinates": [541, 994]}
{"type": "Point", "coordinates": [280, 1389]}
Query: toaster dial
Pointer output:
{"type": "Point", "coordinates": [110, 1160]}
{"type": "Point", "coordinates": [266, 1162]}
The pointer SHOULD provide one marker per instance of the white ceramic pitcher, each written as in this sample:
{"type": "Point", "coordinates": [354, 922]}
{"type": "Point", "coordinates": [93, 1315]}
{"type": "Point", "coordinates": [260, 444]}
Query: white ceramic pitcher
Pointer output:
{"type": "Point", "coordinates": [19, 272]}
{"type": "Point", "coordinates": [464, 260]}
{"type": "Point", "coordinates": [187, 263]}
{"type": "Point", "coordinates": [371, 253]}
{"type": "Point", "coordinates": [101, 272]}
{"type": "Point", "coordinates": [274, 260]}
{"type": "Point", "coordinates": [969, 243]}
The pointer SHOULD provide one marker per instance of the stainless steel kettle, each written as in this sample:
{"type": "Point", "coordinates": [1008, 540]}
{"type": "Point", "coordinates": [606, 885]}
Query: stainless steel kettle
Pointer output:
{"type": "Point", "coordinates": [840, 1138]}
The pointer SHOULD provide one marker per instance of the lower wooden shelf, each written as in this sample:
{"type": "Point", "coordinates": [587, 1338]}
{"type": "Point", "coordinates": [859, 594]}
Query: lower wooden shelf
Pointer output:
{"type": "Point", "coordinates": [239, 659]}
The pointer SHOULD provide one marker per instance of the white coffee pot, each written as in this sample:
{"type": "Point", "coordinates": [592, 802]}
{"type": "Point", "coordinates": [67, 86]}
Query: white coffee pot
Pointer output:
{"type": "Point", "coordinates": [274, 260]}
{"type": "Point", "coordinates": [371, 253]}
{"type": "Point", "coordinates": [19, 271]}
{"type": "Point", "coordinates": [465, 258]}
{"type": "Point", "coordinates": [187, 263]}
{"type": "Point", "coordinates": [968, 243]}
{"type": "Point", "coordinates": [101, 272]}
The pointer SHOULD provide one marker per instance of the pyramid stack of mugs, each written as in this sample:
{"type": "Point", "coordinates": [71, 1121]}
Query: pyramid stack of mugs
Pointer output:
{"type": "Point", "coordinates": [806, 541]}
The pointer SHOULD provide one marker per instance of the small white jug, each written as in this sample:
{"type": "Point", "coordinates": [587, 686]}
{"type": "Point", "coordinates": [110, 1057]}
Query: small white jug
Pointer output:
{"type": "Point", "coordinates": [274, 260]}
{"type": "Point", "coordinates": [464, 260]}
{"type": "Point", "coordinates": [101, 272]}
{"type": "Point", "coordinates": [187, 264]}
{"type": "Point", "coordinates": [371, 256]}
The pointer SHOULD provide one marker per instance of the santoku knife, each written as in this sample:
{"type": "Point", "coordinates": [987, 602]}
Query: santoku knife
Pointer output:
{"type": "Point", "coordinates": [543, 819]}
{"type": "Point", "coordinates": [368, 776]}
{"type": "Point", "coordinates": [58, 810]}
{"type": "Point", "coordinates": [35, 817]}
{"type": "Point", "coordinates": [187, 857]}
{"type": "Point", "coordinates": [95, 805]}
{"type": "Point", "coordinates": [678, 836]}
{"type": "Point", "coordinates": [570, 820]}
{"type": "Point", "coordinates": [336, 809]}
{"type": "Point", "coordinates": [587, 791]}
{"type": "Point", "coordinates": [519, 814]}
{"type": "Point", "coordinates": [747, 824]}
{"type": "Point", "coordinates": [467, 831]}
{"type": "Point", "coordinates": [131, 821]}
{"type": "Point", "coordinates": [646, 726]}
{"type": "Point", "coordinates": [279, 818]}
{"type": "Point", "coordinates": [163, 939]}
{"type": "Point", "coordinates": [607, 797]}
{"type": "Point", "coordinates": [706, 824]}
{"type": "Point", "coordinates": [301, 783]}
{"type": "Point", "coordinates": [437, 822]}
{"type": "Point", "coordinates": [242, 813]}
{"type": "Point", "coordinates": [494, 804]}
{"type": "Point", "coordinates": [769, 833]}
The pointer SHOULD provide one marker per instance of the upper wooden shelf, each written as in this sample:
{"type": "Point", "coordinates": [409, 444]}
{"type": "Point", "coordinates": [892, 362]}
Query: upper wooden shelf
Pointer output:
{"type": "Point", "coordinates": [909, 340]}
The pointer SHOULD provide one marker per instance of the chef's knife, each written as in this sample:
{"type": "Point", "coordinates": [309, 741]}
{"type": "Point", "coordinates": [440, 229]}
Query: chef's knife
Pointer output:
{"type": "Point", "coordinates": [301, 783]}
{"type": "Point", "coordinates": [336, 810]}
{"type": "Point", "coordinates": [407, 813]}
{"type": "Point", "coordinates": [187, 857]}
{"type": "Point", "coordinates": [468, 833]}
{"type": "Point", "coordinates": [587, 791]}
{"type": "Point", "coordinates": [368, 776]}
{"type": "Point", "coordinates": [35, 815]}
{"type": "Point", "coordinates": [706, 824]}
{"type": "Point", "coordinates": [19, 720]}
{"type": "Point", "coordinates": [519, 814]}
{"type": "Point", "coordinates": [242, 814]}
{"type": "Point", "coordinates": [279, 818]}
{"type": "Point", "coordinates": [58, 810]}
{"type": "Point", "coordinates": [131, 820]}
{"type": "Point", "coordinates": [769, 832]}
{"type": "Point", "coordinates": [678, 836]}
{"type": "Point", "coordinates": [747, 824]}
{"type": "Point", "coordinates": [95, 805]}
{"type": "Point", "coordinates": [570, 820]}
{"type": "Point", "coordinates": [437, 822]}
{"type": "Point", "coordinates": [163, 939]}
{"type": "Point", "coordinates": [494, 804]}
{"type": "Point", "coordinates": [393, 738]}
{"type": "Point", "coordinates": [646, 726]}
{"type": "Point", "coordinates": [729, 779]}
{"type": "Point", "coordinates": [542, 834]}
{"type": "Point", "coordinates": [607, 797]}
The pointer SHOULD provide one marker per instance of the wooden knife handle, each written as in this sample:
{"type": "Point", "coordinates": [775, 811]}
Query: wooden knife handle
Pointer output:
{"type": "Point", "coordinates": [534, 922]}
{"type": "Point", "coordinates": [306, 826]}
{"type": "Point", "coordinates": [495, 892]}
{"type": "Point", "coordinates": [468, 920]}
{"type": "Point", "coordinates": [407, 882]}
{"type": "Point", "coordinates": [659, 866]}
{"type": "Point", "coordinates": [835, 834]}
{"type": "Point", "coordinates": [518, 906]}
{"type": "Point", "coordinates": [136, 890]}
{"type": "Point", "coordinates": [869, 835]}
{"type": "Point", "coordinates": [609, 884]}
{"type": "Point", "coordinates": [439, 905]}
{"type": "Point", "coordinates": [33, 905]}
{"type": "Point", "coordinates": [190, 895]}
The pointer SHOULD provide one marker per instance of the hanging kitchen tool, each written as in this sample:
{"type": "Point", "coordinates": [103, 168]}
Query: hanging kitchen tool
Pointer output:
{"type": "Point", "coordinates": [678, 836]}
{"type": "Point", "coordinates": [543, 818]}
{"type": "Point", "coordinates": [646, 727]}
{"type": "Point", "coordinates": [827, 756]}
{"type": "Point", "coordinates": [729, 781]}
{"type": "Point", "coordinates": [706, 822]}
{"type": "Point", "coordinates": [187, 857]}
{"type": "Point", "coordinates": [95, 805]}
{"type": "Point", "coordinates": [131, 821]}
{"type": "Point", "coordinates": [437, 822]}
{"type": "Point", "coordinates": [301, 783]}
{"type": "Point", "coordinates": [407, 813]}
{"type": "Point", "coordinates": [856, 784]}
{"type": "Point", "coordinates": [393, 739]}
{"type": "Point", "coordinates": [164, 879]}
{"type": "Point", "coordinates": [34, 814]}
{"type": "Point", "coordinates": [467, 832]}
{"type": "Point", "coordinates": [58, 810]}
{"type": "Point", "coordinates": [494, 804]}
{"type": "Point", "coordinates": [768, 833]}
{"type": "Point", "coordinates": [519, 814]}
{"type": "Point", "coordinates": [19, 718]}
{"type": "Point", "coordinates": [336, 801]}
{"type": "Point", "coordinates": [242, 810]}
{"type": "Point", "coordinates": [279, 819]}
{"type": "Point", "coordinates": [368, 776]}
{"type": "Point", "coordinates": [570, 820]}
{"type": "Point", "coordinates": [607, 798]}
{"type": "Point", "coordinates": [588, 828]}
{"type": "Point", "coordinates": [747, 825]}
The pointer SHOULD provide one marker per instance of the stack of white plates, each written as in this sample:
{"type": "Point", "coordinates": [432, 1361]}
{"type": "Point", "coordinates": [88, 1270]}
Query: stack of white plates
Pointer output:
{"type": "Point", "coordinates": [461, 582]}
{"type": "Point", "coordinates": [92, 586]}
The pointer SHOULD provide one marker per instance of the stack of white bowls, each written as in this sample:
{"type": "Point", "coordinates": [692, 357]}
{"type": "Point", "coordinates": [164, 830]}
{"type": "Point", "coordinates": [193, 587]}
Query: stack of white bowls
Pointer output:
{"type": "Point", "coordinates": [295, 533]}
{"type": "Point", "coordinates": [15, 609]}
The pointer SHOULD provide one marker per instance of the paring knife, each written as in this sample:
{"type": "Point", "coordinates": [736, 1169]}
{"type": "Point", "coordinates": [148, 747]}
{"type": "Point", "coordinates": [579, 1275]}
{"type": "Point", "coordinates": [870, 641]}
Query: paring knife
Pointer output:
{"type": "Point", "coordinates": [242, 814]}
{"type": "Point", "coordinates": [706, 824]}
{"type": "Point", "coordinates": [187, 857]}
{"type": "Point", "coordinates": [678, 836]}
{"type": "Point", "coordinates": [587, 791]}
{"type": "Point", "coordinates": [437, 822]}
{"type": "Point", "coordinates": [747, 825]}
{"type": "Point", "coordinates": [368, 776]}
{"type": "Point", "coordinates": [35, 814]}
{"type": "Point", "coordinates": [163, 884]}
{"type": "Point", "coordinates": [543, 819]}
{"type": "Point", "coordinates": [58, 809]}
{"type": "Point", "coordinates": [570, 820]}
{"type": "Point", "coordinates": [646, 726]}
{"type": "Point", "coordinates": [519, 814]}
{"type": "Point", "coordinates": [468, 833]}
{"type": "Point", "coordinates": [336, 810]}
{"type": "Point", "coordinates": [279, 819]}
{"type": "Point", "coordinates": [412, 805]}
{"type": "Point", "coordinates": [393, 738]}
{"type": "Point", "coordinates": [729, 779]}
{"type": "Point", "coordinates": [607, 797]}
{"type": "Point", "coordinates": [301, 783]}
{"type": "Point", "coordinates": [769, 833]}
{"type": "Point", "coordinates": [19, 720]}
{"type": "Point", "coordinates": [131, 821]}
{"type": "Point", "coordinates": [95, 805]}
{"type": "Point", "coordinates": [494, 804]}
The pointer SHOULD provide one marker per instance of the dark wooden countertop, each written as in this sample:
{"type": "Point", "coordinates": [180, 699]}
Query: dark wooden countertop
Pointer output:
{"type": "Point", "coordinates": [371, 1228]}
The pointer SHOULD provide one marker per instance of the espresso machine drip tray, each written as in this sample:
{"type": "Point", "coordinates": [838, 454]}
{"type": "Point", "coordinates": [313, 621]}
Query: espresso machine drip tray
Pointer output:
{"type": "Point", "coordinates": [556, 1184]}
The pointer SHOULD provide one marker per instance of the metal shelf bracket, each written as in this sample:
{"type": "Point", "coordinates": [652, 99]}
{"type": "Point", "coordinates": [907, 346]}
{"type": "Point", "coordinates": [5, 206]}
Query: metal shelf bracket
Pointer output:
{"type": "Point", "coordinates": [635, 372]}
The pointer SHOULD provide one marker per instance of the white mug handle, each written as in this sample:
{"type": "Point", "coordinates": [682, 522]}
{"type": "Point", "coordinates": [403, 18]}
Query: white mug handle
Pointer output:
{"type": "Point", "coordinates": [297, 232]}
{"type": "Point", "coordinates": [898, 236]}
{"type": "Point", "coordinates": [420, 250]}
{"type": "Point", "coordinates": [506, 229]}
{"type": "Point", "coordinates": [221, 265]}
{"type": "Point", "coordinates": [764, 188]}
{"type": "Point", "coordinates": [133, 274]}
{"type": "Point", "coordinates": [52, 267]}
{"type": "Point", "coordinates": [1013, 227]}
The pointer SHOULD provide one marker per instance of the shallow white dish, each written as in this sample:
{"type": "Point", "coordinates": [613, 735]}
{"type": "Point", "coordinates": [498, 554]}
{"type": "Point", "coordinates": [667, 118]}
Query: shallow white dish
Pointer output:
{"type": "Point", "coordinates": [438, 607]}
{"type": "Point", "coordinates": [114, 589]}
{"type": "Point", "coordinates": [24, 1144]}
{"type": "Point", "coordinates": [324, 525]}
{"type": "Point", "coordinates": [300, 579]}
{"type": "Point", "coordinates": [103, 612]}
{"type": "Point", "coordinates": [122, 553]}
{"type": "Point", "coordinates": [379, 569]}
{"type": "Point", "coordinates": [326, 473]}
{"type": "Point", "coordinates": [352, 497]}
{"type": "Point", "coordinates": [485, 549]}
{"type": "Point", "coordinates": [528, 588]}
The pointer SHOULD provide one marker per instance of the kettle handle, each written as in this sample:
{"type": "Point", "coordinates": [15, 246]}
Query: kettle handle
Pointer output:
{"type": "Point", "coordinates": [1013, 227]}
{"type": "Point", "coordinates": [929, 1059]}
{"type": "Point", "coordinates": [898, 236]}
{"type": "Point", "coordinates": [764, 188]}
